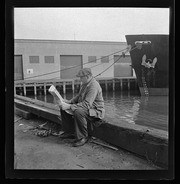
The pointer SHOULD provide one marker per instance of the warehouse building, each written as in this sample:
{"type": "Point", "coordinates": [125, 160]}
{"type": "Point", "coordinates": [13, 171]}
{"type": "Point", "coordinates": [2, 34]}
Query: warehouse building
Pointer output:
{"type": "Point", "coordinates": [49, 59]}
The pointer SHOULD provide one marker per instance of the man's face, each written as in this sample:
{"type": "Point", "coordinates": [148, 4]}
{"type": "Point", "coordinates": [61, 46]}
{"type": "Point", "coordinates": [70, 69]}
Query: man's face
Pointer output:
{"type": "Point", "coordinates": [84, 79]}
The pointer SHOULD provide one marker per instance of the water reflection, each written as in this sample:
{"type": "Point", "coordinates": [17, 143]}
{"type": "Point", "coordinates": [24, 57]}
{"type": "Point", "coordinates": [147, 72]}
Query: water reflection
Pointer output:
{"type": "Point", "coordinates": [122, 106]}
{"type": "Point", "coordinates": [130, 107]}
{"type": "Point", "coordinates": [147, 111]}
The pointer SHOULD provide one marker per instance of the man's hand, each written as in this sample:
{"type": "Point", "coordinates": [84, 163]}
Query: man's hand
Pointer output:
{"type": "Point", "coordinates": [65, 106]}
{"type": "Point", "coordinates": [67, 101]}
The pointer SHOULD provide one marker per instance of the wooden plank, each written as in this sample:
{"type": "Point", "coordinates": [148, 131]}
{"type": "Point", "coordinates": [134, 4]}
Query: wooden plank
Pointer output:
{"type": "Point", "coordinates": [49, 114]}
{"type": "Point", "coordinates": [105, 145]}
{"type": "Point", "coordinates": [36, 102]}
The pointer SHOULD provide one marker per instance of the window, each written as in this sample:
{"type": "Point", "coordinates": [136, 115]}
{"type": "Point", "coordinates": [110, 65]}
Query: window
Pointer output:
{"type": "Point", "coordinates": [49, 59]}
{"type": "Point", "coordinates": [92, 59]}
{"type": "Point", "coordinates": [105, 59]}
{"type": "Point", "coordinates": [34, 59]}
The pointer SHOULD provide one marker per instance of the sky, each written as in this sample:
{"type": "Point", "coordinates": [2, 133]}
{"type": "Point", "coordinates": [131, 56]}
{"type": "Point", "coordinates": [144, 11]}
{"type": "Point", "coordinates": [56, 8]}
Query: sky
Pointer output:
{"type": "Point", "coordinates": [88, 24]}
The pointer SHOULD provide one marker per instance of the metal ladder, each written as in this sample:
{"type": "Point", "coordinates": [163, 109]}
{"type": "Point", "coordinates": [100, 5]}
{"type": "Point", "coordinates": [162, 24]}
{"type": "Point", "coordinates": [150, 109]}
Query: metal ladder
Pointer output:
{"type": "Point", "coordinates": [146, 92]}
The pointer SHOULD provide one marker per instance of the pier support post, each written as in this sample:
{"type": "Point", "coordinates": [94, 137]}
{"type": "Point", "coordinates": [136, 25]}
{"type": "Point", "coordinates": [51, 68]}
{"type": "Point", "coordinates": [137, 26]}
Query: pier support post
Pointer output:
{"type": "Point", "coordinates": [35, 89]}
{"type": "Point", "coordinates": [128, 84]}
{"type": "Point", "coordinates": [45, 98]}
{"type": "Point", "coordinates": [73, 86]}
{"type": "Point", "coordinates": [44, 88]}
{"type": "Point", "coordinates": [40, 90]}
{"type": "Point", "coordinates": [21, 89]}
{"type": "Point", "coordinates": [121, 84]}
{"type": "Point", "coordinates": [113, 85]}
{"type": "Point", "coordinates": [24, 88]}
{"type": "Point", "coordinates": [14, 90]}
{"type": "Point", "coordinates": [106, 87]}
{"type": "Point", "coordinates": [64, 87]}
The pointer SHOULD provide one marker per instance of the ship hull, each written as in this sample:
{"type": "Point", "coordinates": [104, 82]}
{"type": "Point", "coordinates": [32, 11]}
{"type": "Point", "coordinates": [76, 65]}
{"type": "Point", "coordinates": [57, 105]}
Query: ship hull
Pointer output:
{"type": "Point", "coordinates": [150, 61]}
{"type": "Point", "coordinates": [155, 91]}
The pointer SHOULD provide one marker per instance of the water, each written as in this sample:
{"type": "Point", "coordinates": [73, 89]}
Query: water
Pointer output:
{"type": "Point", "coordinates": [130, 107]}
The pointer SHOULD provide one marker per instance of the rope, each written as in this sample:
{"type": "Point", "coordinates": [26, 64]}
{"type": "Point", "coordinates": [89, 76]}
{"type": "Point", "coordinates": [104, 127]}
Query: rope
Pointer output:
{"type": "Point", "coordinates": [116, 61]}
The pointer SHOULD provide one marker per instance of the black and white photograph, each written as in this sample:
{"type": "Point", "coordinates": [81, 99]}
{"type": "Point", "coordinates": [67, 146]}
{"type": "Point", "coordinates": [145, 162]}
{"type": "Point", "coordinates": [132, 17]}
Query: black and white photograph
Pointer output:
{"type": "Point", "coordinates": [91, 88]}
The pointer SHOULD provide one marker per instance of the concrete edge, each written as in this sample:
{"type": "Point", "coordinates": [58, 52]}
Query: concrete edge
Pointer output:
{"type": "Point", "coordinates": [152, 148]}
{"type": "Point", "coordinates": [48, 114]}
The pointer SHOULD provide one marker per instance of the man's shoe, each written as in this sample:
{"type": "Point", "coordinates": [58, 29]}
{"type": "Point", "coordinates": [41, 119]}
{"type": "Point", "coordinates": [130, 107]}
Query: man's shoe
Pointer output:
{"type": "Point", "coordinates": [67, 136]}
{"type": "Point", "coordinates": [80, 142]}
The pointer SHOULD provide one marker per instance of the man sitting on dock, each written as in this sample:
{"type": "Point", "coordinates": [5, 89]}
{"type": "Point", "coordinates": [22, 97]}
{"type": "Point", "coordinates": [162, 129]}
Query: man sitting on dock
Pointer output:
{"type": "Point", "coordinates": [87, 107]}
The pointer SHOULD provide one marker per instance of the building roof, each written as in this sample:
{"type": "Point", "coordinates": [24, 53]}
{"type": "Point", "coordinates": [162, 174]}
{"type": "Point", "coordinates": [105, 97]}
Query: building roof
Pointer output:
{"type": "Point", "coordinates": [68, 41]}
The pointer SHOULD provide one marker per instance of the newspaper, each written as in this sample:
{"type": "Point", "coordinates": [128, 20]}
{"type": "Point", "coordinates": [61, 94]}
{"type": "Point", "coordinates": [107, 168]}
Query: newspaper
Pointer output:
{"type": "Point", "coordinates": [58, 97]}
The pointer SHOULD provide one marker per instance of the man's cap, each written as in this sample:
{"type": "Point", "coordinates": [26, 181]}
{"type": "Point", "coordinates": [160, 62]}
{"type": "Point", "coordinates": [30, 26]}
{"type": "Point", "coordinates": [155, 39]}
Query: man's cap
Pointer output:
{"type": "Point", "coordinates": [84, 72]}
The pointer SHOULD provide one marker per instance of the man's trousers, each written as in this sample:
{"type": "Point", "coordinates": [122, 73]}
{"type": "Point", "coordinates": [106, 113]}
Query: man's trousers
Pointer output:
{"type": "Point", "coordinates": [79, 124]}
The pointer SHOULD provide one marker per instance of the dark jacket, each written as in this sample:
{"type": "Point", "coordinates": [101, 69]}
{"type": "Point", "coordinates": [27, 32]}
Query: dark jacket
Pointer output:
{"type": "Point", "coordinates": [90, 98]}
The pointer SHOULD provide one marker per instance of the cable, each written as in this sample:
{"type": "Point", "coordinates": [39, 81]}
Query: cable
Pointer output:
{"type": "Point", "coordinates": [73, 66]}
{"type": "Point", "coordinates": [108, 67]}
{"type": "Point", "coordinates": [114, 63]}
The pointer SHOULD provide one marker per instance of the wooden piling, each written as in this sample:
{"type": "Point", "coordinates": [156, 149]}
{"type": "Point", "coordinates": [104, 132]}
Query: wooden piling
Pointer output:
{"type": "Point", "coordinates": [35, 89]}
{"type": "Point", "coordinates": [121, 84]}
{"type": "Point", "coordinates": [21, 91]}
{"type": "Point", "coordinates": [113, 85]}
{"type": "Point", "coordinates": [106, 87]}
{"type": "Point", "coordinates": [14, 90]}
{"type": "Point", "coordinates": [45, 98]}
{"type": "Point", "coordinates": [73, 86]}
{"type": "Point", "coordinates": [64, 87]}
{"type": "Point", "coordinates": [44, 88]}
{"type": "Point", "coordinates": [128, 84]}
{"type": "Point", "coordinates": [24, 88]}
{"type": "Point", "coordinates": [40, 90]}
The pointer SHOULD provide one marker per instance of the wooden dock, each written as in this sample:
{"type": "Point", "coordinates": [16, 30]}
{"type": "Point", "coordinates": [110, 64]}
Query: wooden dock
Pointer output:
{"type": "Point", "coordinates": [41, 86]}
